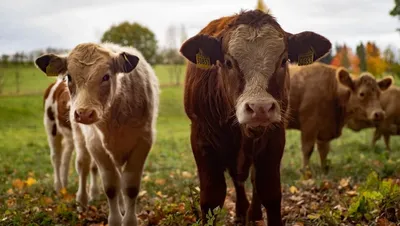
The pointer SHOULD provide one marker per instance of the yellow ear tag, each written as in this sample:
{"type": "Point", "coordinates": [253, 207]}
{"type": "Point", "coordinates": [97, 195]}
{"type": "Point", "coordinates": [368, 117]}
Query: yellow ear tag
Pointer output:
{"type": "Point", "coordinates": [49, 71]}
{"type": "Point", "coordinates": [202, 61]}
{"type": "Point", "coordinates": [306, 58]}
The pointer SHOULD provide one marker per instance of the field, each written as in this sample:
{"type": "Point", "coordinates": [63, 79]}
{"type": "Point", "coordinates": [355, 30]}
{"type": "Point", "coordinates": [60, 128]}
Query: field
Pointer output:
{"type": "Point", "coordinates": [361, 187]}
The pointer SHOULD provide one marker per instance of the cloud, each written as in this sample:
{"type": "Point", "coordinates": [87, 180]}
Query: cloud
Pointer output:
{"type": "Point", "coordinates": [28, 25]}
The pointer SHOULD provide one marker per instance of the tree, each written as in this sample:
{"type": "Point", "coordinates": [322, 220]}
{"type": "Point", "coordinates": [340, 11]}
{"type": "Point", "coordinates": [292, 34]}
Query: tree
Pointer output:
{"type": "Point", "coordinates": [396, 11]}
{"type": "Point", "coordinates": [375, 64]}
{"type": "Point", "coordinates": [261, 6]}
{"type": "Point", "coordinates": [5, 60]}
{"type": "Point", "coordinates": [345, 61]}
{"type": "Point", "coordinates": [389, 58]}
{"type": "Point", "coordinates": [360, 51]}
{"type": "Point", "coordinates": [133, 34]}
{"type": "Point", "coordinates": [171, 54]}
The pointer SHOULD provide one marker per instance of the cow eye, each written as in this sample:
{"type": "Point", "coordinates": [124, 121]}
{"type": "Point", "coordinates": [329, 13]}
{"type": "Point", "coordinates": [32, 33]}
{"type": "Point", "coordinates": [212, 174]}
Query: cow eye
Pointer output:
{"type": "Point", "coordinates": [228, 63]}
{"type": "Point", "coordinates": [106, 77]}
{"type": "Point", "coordinates": [283, 64]}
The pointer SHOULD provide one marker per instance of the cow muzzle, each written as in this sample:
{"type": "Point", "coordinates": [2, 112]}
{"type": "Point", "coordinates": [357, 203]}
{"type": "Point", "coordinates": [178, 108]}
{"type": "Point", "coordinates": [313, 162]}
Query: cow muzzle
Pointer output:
{"type": "Point", "coordinates": [259, 113]}
{"type": "Point", "coordinates": [377, 116]}
{"type": "Point", "coordinates": [86, 116]}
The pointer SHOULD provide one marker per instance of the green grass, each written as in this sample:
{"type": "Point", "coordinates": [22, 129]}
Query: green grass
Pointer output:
{"type": "Point", "coordinates": [170, 173]}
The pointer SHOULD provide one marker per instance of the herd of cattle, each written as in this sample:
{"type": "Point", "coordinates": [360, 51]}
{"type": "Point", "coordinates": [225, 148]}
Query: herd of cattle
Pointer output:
{"type": "Point", "coordinates": [241, 93]}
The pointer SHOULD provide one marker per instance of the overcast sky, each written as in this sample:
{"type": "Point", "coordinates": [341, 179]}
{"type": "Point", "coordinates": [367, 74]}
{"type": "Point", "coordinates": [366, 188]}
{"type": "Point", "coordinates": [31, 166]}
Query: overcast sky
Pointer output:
{"type": "Point", "coordinates": [31, 24]}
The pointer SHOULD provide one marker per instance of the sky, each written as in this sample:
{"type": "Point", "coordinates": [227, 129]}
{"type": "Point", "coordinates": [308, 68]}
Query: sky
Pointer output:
{"type": "Point", "coordinates": [34, 24]}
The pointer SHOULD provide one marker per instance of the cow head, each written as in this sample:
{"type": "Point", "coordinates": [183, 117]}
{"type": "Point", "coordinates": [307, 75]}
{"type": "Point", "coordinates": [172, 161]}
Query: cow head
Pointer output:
{"type": "Point", "coordinates": [251, 56]}
{"type": "Point", "coordinates": [92, 73]}
{"type": "Point", "coordinates": [363, 95]}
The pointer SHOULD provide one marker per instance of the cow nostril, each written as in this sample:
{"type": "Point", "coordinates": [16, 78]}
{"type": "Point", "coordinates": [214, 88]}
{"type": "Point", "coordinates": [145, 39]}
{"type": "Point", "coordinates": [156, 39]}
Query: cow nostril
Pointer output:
{"type": "Point", "coordinates": [91, 115]}
{"type": "Point", "coordinates": [248, 108]}
{"type": "Point", "coordinates": [272, 107]}
{"type": "Point", "coordinates": [76, 115]}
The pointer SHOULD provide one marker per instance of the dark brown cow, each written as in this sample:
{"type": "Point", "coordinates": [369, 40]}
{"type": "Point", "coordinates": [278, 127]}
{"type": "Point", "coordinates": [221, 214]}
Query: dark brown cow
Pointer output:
{"type": "Point", "coordinates": [236, 96]}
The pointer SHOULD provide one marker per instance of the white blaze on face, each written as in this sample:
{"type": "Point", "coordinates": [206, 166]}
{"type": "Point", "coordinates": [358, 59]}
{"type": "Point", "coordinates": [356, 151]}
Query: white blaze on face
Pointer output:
{"type": "Point", "coordinates": [257, 51]}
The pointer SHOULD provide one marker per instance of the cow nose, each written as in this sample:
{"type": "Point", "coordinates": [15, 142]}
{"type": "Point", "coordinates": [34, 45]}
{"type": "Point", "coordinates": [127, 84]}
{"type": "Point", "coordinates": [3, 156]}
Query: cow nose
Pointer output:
{"type": "Point", "coordinates": [85, 116]}
{"type": "Point", "coordinates": [378, 115]}
{"type": "Point", "coordinates": [261, 110]}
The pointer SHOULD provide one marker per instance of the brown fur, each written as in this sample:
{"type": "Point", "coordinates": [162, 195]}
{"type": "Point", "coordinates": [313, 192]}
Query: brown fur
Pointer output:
{"type": "Point", "coordinates": [323, 98]}
{"type": "Point", "coordinates": [390, 125]}
{"type": "Point", "coordinates": [61, 96]}
{"type": "Point", "coordinates": [211, 99]}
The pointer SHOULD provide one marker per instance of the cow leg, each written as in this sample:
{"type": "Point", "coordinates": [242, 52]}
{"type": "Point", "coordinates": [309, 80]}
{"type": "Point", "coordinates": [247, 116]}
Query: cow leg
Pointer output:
{"type": "Point", "coordinates": [82, 165]}
{"type": "Point", "coordinates": [242, 203]}
{"type": "Point", "coordinates": [267, 175]}
{"type": "Point", "coordinates": [55, 145]}
{"type": "Point", "coordinates": [94, 185]}
{"type": "Point", "coordinates": [255, 211]}
{"type": "Point", "coordinates": [307, 146]}
{"type": "Point", "coordinates": [386, 137]}
{"type": "Point", "coordinates": [131, 180]}
{"type": "Point", "coordinates": [323, 149]}
{"type": "Point", "coordinates": [66, 161]}
{"type": "Point", "coordinates": [111, 179]}
{"type": "Point", "coordinates": [376, 137]}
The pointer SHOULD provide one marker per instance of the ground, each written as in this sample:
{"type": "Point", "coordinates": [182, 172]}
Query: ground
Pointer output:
{"type": "Point", "coordinates": [361, 187]}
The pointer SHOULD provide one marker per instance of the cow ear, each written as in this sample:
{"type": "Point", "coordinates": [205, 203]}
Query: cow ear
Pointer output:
{"type": "Point", "coordinates": [307, 47]}
{"type": "Point", "coordinates": [125, 62]}
{"type": "Point", "coordinates": [344, 78]}
{"type": "Point", "coordinates": [385, 83]}
{"type": "Point", "coordinates": [51, 64]}
{"type": "Point", "coordinates": [202, 50]}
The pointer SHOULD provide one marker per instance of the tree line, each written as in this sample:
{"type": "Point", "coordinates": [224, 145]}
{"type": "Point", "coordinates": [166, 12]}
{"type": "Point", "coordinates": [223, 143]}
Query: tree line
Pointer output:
{"type": "Point", "coordinates": [366, 57]}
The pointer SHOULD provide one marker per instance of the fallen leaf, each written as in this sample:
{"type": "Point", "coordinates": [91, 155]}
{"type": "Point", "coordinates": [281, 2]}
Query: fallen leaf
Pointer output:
{"type": "Point", "coordinates": [30, 181]}
{"type": "Point", "coordinates": [351, 193]}
{"type": "Point", "coordinates": [10, 191]}
{"type": "Point", "coordinates": [11, 202]}
{"type": "Point", "coordinates": [344, 182]}
{"type": "Point", "coordinates": [17, 183]}
{"type": "Point", "coordinates": [142, 192]}
{"type": "Point", "coordinates": [160, 181]}
{"type": "Point", "coordinates": [186, 174]}
{"type": "Point", "coordinates": [47, 200]}
{"type": "Point", "coordinates": [146, 178]}
{"type": "Point", "coordinates": [293, 189]}
{"type": "Point", "coordinates": [63, 191]}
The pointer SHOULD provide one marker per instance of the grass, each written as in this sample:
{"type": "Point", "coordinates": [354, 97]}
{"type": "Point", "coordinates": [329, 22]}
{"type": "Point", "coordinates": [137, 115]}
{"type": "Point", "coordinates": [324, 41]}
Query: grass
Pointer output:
{"type": "Point", "coordinates": [169, 194]}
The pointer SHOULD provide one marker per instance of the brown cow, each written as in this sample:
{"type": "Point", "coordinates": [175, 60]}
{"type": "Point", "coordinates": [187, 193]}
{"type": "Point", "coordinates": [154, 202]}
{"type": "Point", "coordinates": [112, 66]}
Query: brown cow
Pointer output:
{"type": "Point", "coordinates": [62, 139]}
{"type": "Point", "coordinates": [390, 125]}
{"type": "Point", "coordinates": [323, 98]}
{"type": "Point", "coordinates": [236, 96]}
{"type": "Point", "coordinates": [114, 107]}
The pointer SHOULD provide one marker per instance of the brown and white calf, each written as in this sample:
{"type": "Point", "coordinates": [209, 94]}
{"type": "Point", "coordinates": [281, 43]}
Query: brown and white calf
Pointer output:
{"type": "Point", "coordinates": [323, 98]}
{"type": "Point", "coordinates": [114, 106]}
{"type": "Point", "coordinates": [236, 97]}
{"type": "Point", "coordinates": [60, 136]}
{"type": "Point", "coordinates": [390, 125]}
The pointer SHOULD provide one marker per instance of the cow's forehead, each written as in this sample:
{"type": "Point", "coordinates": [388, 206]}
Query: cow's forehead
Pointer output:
{"type": "Point", "coordinates": [256, 49]}
{"type": "Point", "coordinates": [367, 81]}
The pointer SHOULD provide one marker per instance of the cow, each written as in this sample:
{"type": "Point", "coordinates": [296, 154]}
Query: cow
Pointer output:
{"type": "Point", "coordinates": [323, 98]}
{"type": "Point", "coordinates": [236, 96]}
{"type": "Point", "coordinates": [114, 102]}
{"type": "Point", "coordinates": [390, 125]}
{"type": "Point", "coordinates": [62, 140]}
